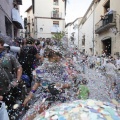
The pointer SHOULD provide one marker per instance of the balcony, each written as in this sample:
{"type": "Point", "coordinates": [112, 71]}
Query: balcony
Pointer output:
{"type": "Point", "coordinates": [56, 15]}
{"type": "Point", "coordinates": [55, 3]}
{"type": "Point", "coordinates": [55, 29]}
{"type": "Point", "coordinates": [105, 24]}
{"type": "Point", "coordinates": [17, 20]}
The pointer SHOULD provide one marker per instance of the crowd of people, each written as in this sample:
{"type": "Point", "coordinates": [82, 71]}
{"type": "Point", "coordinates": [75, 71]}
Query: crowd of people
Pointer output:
{"type": "Point", "coordinates": [37, 74]}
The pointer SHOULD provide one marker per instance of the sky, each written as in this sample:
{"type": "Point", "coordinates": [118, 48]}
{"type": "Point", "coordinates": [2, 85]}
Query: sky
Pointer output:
{"type": "Point", "coordinates": [75, 8]}
{"type": "Point", "coordinates": [24, 7]}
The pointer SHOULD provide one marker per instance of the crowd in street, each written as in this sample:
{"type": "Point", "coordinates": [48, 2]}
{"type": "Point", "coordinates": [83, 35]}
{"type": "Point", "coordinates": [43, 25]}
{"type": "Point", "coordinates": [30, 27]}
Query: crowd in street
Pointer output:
{"type": "Point", "coordinates": [38, 74]}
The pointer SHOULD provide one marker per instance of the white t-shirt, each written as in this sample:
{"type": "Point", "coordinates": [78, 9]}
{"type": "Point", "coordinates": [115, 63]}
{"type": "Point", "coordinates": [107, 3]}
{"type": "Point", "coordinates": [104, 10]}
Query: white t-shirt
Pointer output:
{"type": "Point", "coordinates": [118, 62]}
{"type": "Point", "coordinates": [42, 42]}
{"type": "Point", "coordinates": [74, 59]}
{"type": "Point", "coordinates": [110, 69]}
{"type": "Point", "coordinates": [41, 52]}
{"type": "Point", "coordinates": [105, 61]}
{"type": "Point", "coordinates": [98, 60]}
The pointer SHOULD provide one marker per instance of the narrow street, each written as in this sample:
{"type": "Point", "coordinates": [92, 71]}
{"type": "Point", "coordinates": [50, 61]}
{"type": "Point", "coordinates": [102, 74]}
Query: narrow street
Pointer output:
{"type": "Point", "coordinates": [59, 60]}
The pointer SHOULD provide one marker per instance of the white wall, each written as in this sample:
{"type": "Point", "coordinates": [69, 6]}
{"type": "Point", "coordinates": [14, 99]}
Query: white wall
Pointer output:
{"type": "Point", "coordinates": [43, 14]}
{"type": "Point", "coordinates": [76, 35]}
{"type": "Point", "coordinates": [43, 8]}
{"type": "Point", "coordinates": [46, 24]}
{"type": "Point", "coordinates": [87, 30]}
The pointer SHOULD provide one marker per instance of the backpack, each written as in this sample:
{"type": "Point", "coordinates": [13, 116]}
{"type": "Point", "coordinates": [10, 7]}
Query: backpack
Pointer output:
{"type": "Point", "coordinates": [52, 89]}
{"type": "Point", "coordinates": [26, 58]}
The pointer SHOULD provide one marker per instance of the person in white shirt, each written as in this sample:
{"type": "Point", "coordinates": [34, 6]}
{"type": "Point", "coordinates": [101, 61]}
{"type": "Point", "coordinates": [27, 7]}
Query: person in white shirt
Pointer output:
{"type": "Point", "coordinates": [118, 63]}
{"type": "Point", "coordinates": [110, 73]}
{"type": "Point", "coordinates": [109, 11]}
{"type": "Point", "coordinates": [98, 61]}
{"type": "Point", "coordinates": [42, 42]}
{"type": "Point", "coordinates": [42, 51]}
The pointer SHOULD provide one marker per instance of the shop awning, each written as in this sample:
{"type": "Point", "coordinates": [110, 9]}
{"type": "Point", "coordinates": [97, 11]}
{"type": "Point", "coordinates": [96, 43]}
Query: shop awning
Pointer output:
{"type": "Point", "coordinates": [17, 20]}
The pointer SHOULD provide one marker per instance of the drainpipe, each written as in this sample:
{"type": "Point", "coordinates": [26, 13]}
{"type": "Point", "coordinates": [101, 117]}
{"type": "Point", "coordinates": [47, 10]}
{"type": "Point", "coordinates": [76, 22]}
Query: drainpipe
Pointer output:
{"type": "Point", "coordinates": [119, 22]}
{"type": "Point", "coordinates": [93, 25]}
{"type": "Point", "coordinates": [78, 36]}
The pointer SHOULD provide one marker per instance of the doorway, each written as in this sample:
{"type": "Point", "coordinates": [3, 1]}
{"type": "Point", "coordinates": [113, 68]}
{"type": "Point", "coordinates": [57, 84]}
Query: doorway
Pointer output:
{"type": "Point", "coordinates": [107, 46]}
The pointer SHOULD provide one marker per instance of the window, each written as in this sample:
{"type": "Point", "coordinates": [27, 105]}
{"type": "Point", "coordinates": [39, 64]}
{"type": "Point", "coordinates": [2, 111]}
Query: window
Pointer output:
{"type": "Point", "coordinates": [55, 2]}
{"type": "Point", "coordinates": [83, 40]}
{"type": "Point", "coordinates": [90, 49]}
{"type": "Point", "coordinates": [55, 23]}
{"type": "Point", "coordinates": [56, 12]}
{"type": "Point", "coordinates": [106, 6]}
{"type": "Point", "coordinates": [32, 22]}
{"type": "Point", "coordinates": [41, 29]}
{"type": "Point", "coordinates": [25, 23]}
{"type": "Point", "coordinates": [8, 26]}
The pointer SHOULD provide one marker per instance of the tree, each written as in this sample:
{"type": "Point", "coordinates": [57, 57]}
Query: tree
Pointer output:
{"type": "Point", "coordinates": [58, 36]}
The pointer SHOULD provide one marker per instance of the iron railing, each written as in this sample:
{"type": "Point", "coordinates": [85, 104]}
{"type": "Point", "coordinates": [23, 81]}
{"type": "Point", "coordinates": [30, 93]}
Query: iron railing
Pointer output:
{"type": "Point", "coordinates": [55, 14]}
{"type": "Point", "coordinates": [107, 22]}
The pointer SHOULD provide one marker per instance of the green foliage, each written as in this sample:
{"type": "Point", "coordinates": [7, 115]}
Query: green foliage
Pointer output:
{"type": "Point", "coordinates": [58, 36]}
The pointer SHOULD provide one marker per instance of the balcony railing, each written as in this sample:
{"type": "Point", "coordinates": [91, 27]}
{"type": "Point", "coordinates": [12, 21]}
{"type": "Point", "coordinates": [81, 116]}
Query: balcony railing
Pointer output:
{"type": "Point", "coordinates": [106, 23]}
{"type": "Point", "coordinates": [56, 15]}
{"type": "Point", "coordinates": [55, 29]}
{"type": "Point", "coordinates": [55, 3]}
{"type": "Point", "coordinates": [17, 19]}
